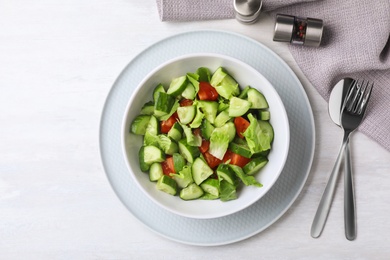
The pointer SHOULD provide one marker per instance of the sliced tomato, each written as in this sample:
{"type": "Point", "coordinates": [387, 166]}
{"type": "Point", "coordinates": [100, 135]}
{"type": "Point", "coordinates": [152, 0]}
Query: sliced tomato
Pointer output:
{"type": "Point", "coordinates": [186, 102]}
{"type": "Point", "coordinates": [166, 125]}
{"type": "Point", "coordinates": [241, 125]}
{"type": "Point", "coordinates": [239, 160]}
{"type": "Point", "coordinates": [207, 92]}
{"type": "Point", "coordinates": [211, 160]}
{"type": "Point", "coordinates": [168, 166]}
{"type": "Point", "coordinates": [205, 146]}
{"type": "Point", "coordinates": [228, 156]}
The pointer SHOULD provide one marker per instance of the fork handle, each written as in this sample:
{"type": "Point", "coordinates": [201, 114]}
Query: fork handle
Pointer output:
{"type": "Point", "coordinates": [349, 197]}
{"type": "Point", "coordinates": [327, 197]}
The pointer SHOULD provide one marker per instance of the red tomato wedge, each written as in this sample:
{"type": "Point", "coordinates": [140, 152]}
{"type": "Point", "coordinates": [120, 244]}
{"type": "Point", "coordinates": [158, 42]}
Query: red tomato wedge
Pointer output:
{"type": "Point", "coordinates": [186, 102]}
{"type": "Point", "coordinates": [212, 161]}
{"type": "Point", "coordinates": [205, 146]}
{"type": "Point", "coordinates": [241, 125]}
{"type": "Point", "coordinates": [168, 166]}
{"type": "Point", "coordinates": [235, 159]}
{"type": "Point", "coordinates": [239, 160]}
{"type": "Point", "coordinates": [166, 125]}
{"type": "Point", "coordinates": [207, 92]}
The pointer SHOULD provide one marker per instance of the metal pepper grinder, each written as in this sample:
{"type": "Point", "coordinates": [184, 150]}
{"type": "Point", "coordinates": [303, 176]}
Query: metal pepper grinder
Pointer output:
{"type": "Point", "coordinates": [247, 11]}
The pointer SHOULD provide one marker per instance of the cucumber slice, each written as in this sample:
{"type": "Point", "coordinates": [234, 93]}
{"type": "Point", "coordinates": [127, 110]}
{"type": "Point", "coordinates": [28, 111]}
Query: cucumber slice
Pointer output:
{"type": "Point", "coordinates": [222, 118]}
{"type": "Point", "coordinates": [210, 109]}
{"type": "Point", "coordinates": [186, 114]}
{"type": "Point", "coordinates": [198, 118]}
{"type": "Point", "coordinates": [147, 108]}
{"type": "Point", "coordinates": [238, 107]}
{"type": "Point", "coordinates": [150, 139]}
{"type": "Point", "coordinates": [173, 110]}
{"type": "Point", "coordinates": [206, 129]}
{"type": "Point", "coordinates": [189, 92]}
{"type": "Point", "coordinates": [244, 92]}
{"type": "Point", "coordinates": [255, 165]}
{"type": "Point", "coordinates": [267, 129]}
{"type": "Point", "coordinates": [191, 192]}
{"type": "Point", "coordinates": [167, 185]}
{"type": "Point", "coordinates": [257, 99]}
{"type": "Point", "coordinates": [225, 173]}
{"type": "Point", "coordinates": [178, 162]}
{"type": "Point", "coordinates": [159, 88]}
{"type": "Point", "coordinates": [177, 86]}
{"type": "Point", "coordinates": [153, 126]}
{"type": "Point", "coordinates": [152, 154]}
{"type": "Point", "coordinates": [240, 149]}
{"type": "Point", "coordinates": [211, 186]}
{"type": "Point", "coordinates": [224, 84]}
{"type": "Point", "coordinates": [200, 171]}
{"type": "Point", "coordinates": [163, 104]}
{"type": "Point", "coordinates": [264, 115]}
{"type": "Point", "coordinates": [142, 164]}
{"type": "Point", "coordinates": [208, 196]}
{"type": "Point", "coordinates": [155, 171]}
{"type": "Point", "coordinates": [139, 124]}
{"type": "Point", "coordinates": [187, 151]}
{"type": "Point", "coordinates": [176, 132]}
{"type": "Point", "coordinates": [194, 79]}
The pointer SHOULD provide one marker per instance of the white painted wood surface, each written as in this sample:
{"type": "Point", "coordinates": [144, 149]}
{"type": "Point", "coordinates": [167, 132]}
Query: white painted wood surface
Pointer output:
{"type": "Point", "coordinates": [58, 61]}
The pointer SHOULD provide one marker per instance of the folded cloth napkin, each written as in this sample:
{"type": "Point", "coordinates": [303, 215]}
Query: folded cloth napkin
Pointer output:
{"type": "Point", "coordinates": [356, 43]}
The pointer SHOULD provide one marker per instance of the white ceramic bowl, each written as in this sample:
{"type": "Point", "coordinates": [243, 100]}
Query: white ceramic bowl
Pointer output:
{"type": "Point", "coordinates": [245, 75]}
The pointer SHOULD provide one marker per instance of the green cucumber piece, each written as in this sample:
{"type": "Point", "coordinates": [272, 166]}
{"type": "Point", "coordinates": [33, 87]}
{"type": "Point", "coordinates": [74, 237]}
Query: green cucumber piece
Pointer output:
{"type": "Point", "coordinates": [186, 114]}
{"type": "Point", "coordinates": [191, 192]}
{"type": "Point", "coordinates": [238, 107]}
{"type": "Point", "coordinates": [200, 171]}
{"type": "Point", "coordinates": [187, 151]}
{"type": "Point", "coordinates": [210, 109]}
{"type": "Point", "coordinates": [198, 118]}
{"type": "Point", "coordinates": [163, 104]}
{"type": "Point", "coordinates": [225, 173]}
{"type": "Point", "coordinates": [159, 88]}
{"type": "Point", "coordinates": [255, 165]}
{"type": "Point", "coordinates": [211, 186]}
{"type": "Point", "coordinates": [257, 99]}
{"type": "Point", "coordinates": [224, 84]}
{"type": "Point", "coordinates": [153, 126]}
{"type": "Point", "coordinates": [139, 124]}
{"type": "Point", "coordinates": [147, 108]}
{"type": "Point", "coordinates": [264, 115]}
{"type": "Point", "coordinates": [176, 132]}
{"type": "Point", "coordinates": [189, 92]}
{"type": "Point", "coordinates": [240, 149]}
{"type": "Point", "coordinates": [142, 164]}
{"type": "Point", "coordinates": [173, 110]}
{"type": "Point", "coordinates": [244, 92]}
{"type": "Point", "coordinates": [177, 86]}
{"type": "Point", "coordinates": [206, 129]}
{"type": "Point", "coordinates": [222, 118]}
{"type": "Point", "coordinates": [194, 79]}
{"type": "Point", "coordinates": [267, 129]}
{"type": "Point", "coordinates": [150, 139]}
{"type": "Point", "coordinates": [152, 154]}
{"type": "Point", "coordinates": [167, 185]}
{"type": "Point", "coordinates": [155, 172]}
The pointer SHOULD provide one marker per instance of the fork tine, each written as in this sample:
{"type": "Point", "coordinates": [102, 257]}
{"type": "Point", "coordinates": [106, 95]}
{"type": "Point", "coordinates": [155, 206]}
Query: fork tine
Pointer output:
{"type": "Point", "coordinates": [366, 94]}
{"type": "Point", "coordinates": [352, 95]}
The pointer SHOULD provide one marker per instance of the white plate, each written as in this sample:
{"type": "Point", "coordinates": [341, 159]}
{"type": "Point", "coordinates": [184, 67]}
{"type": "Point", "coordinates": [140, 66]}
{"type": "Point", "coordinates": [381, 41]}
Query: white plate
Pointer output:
{"type": "Point", "coordinates": [267, 210]}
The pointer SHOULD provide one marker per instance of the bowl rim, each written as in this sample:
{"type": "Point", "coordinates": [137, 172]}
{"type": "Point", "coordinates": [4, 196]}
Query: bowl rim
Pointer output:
{"type": "Point", "coordinates": [124, 133]}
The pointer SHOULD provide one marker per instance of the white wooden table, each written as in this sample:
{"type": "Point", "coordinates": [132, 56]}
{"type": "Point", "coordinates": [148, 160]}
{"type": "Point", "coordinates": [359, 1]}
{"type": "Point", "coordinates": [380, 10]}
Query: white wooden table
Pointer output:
{"type": "Point", "coordinates": [58, 61]}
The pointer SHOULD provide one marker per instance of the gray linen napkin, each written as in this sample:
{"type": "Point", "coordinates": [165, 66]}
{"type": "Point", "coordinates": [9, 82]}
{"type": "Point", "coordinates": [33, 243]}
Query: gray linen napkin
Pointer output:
{"type": "Point", "coordinates": [356, 43]}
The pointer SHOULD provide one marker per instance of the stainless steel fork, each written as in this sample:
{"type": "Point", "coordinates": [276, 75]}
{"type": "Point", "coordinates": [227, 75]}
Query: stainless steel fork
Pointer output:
{"type": "Point", "coordinates": [352, 114]}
